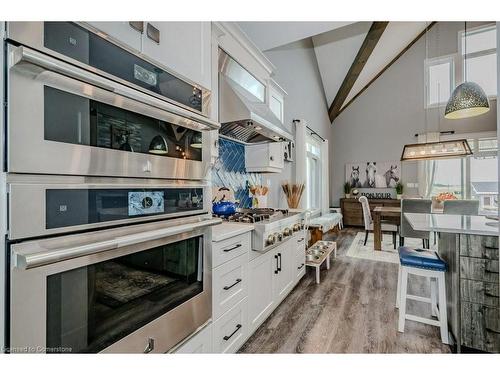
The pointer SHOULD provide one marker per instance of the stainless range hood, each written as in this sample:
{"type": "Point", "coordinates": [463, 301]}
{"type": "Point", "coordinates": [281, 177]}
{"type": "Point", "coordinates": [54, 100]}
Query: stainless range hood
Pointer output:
{"type": "Point", "coordinates": [242, 115]}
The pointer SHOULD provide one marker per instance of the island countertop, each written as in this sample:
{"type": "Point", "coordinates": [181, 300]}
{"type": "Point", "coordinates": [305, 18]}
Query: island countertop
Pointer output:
{"type": "Point", "coordinates": [460, 224]}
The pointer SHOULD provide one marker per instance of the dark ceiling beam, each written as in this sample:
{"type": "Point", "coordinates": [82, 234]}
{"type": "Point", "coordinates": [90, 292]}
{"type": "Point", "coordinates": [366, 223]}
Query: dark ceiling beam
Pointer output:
{"type": "Point", "coordinates": [366, 49]}
{"type": "Point", "coordinates": [387, 66]}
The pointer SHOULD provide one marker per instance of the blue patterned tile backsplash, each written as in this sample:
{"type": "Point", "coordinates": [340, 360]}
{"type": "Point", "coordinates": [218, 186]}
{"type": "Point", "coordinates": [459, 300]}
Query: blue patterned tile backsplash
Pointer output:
{"type": "Point", "coordinates": [229, 171]}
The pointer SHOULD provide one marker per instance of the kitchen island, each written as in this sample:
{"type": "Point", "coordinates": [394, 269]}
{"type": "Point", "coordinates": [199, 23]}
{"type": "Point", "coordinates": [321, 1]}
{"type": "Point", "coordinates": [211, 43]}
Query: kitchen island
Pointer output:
{"type": "Point", "coordinates": [469, 244]}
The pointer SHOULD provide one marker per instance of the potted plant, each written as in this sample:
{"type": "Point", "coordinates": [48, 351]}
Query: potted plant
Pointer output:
{"type": "Point", "coordinates": [347, 190]}
{"type": "Point", "coordinates": [399, 190]}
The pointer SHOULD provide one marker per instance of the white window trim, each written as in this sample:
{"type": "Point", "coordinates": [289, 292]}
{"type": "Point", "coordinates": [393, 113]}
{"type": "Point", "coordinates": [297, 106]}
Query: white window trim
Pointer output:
{"type": "Point", "coordinates": [316, 211]}
{"type": "Point", "coordinates": [460, 71]}
{"type": "Point", "coordinates": [437, 61]}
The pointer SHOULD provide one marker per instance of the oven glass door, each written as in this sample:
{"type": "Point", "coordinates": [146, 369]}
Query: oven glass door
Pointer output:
{"type": "Point", "coordinates": [91, 307]}
{"type": "Point", "coordinates": [75, 128]}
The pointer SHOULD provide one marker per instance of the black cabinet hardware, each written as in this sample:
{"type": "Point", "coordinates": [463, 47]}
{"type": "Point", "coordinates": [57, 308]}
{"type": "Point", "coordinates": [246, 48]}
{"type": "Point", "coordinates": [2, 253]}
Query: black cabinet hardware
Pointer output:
{"type": "Point", "coordinates": [279, 256]}
{"type": "Point", "coordinates": [277, 269]}
{"type": "Point", "coordinates": [233, 284]}
{"type": "Point", "coordinates": [300, 267]}
{"type": "Point", "coordinates": [238, 326]}
{"type": "Point", "coordinates": [232, 248]}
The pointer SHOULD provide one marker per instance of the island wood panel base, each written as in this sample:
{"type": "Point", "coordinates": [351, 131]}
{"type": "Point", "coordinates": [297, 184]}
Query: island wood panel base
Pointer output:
{"type": "Point", "coordinates": [352, 212]}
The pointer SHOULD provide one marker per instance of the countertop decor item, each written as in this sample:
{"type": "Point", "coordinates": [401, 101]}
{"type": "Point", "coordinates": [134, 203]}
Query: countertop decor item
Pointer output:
{"type": "Point", "coordinates": [293, 193]}
{"type": "Point", "coordinates": [223, 208]}
{"type": "Point", "coordinates": [468, 99]}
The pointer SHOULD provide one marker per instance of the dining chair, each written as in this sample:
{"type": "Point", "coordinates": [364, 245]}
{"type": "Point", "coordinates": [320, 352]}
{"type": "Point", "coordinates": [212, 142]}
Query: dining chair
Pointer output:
{"type": "Point", "coordinates": [417, 206]}
{"type": "Point", "coordinates": [368, 220]}
{"type": "Point", "coordinates": [461, 207]}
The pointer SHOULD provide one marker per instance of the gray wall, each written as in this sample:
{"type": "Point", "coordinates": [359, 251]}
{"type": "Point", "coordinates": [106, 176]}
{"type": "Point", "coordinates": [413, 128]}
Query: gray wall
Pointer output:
{"type": "Point", "coordinates": [297, 72]}
{"type": "Point", "coordinates": [391, 111]}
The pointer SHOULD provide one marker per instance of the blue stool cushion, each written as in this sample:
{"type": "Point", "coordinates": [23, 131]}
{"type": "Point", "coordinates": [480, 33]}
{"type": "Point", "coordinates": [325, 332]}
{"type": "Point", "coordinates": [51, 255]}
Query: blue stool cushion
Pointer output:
{"type": "Point", "coordinates": [420, 258]}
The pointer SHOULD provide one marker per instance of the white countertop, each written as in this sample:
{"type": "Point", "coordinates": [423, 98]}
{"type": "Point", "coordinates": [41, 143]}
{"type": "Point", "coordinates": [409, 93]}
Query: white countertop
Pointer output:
{"type": "Point", "coordinates": [227, 230]}
{"type": "Point", "coordinates": [444, 223]}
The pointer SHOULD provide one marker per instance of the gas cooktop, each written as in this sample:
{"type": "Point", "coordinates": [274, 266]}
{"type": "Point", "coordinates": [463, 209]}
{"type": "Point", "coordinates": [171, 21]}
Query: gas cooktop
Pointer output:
{"type": "Point", "coordinates": [258, 215]}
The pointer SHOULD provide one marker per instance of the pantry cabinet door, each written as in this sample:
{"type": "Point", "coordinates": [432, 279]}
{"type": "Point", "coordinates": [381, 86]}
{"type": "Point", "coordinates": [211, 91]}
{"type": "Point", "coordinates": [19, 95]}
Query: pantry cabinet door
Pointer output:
{"type": "Point", "coordinates": [183, 47]}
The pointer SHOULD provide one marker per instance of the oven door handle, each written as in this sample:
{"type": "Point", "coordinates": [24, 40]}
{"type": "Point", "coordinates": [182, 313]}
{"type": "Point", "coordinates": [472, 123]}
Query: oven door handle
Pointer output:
{"type": "Point", "coordinates": [26, 55]}
{"type": "Point", "coordinates": [42, 258]}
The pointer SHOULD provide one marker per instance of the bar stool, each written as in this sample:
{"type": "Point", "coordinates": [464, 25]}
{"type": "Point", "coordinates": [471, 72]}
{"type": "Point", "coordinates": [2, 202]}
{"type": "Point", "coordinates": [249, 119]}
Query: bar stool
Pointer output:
{"type": "Point", "coordinates": [424, 263]}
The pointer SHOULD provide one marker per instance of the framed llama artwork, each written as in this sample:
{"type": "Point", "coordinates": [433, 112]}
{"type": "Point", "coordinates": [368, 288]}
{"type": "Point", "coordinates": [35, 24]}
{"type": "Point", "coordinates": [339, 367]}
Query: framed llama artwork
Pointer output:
{"type": "Point", "coordinates": [373, 174]}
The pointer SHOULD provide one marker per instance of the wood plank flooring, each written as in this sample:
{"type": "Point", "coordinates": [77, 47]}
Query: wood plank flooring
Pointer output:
{"type": "Point", "coordinates": [351, 311]}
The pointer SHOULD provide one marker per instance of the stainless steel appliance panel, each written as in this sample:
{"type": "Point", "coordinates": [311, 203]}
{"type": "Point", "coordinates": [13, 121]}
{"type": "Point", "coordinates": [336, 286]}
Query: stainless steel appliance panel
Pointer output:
{"type": "Point", "coordinates": [34, 262]}
{"type": "Point", "coordinates": [28, 201]}
{"type": "Point", "coordinates": [32, 34]}
{"type": "Point", "coordinates": [29, 152]}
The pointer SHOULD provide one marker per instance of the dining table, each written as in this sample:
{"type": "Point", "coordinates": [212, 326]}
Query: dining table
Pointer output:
{"type": "Point", "coordinates": [379, 212]}
{"type": "Point", "coordinates": [392, 214]}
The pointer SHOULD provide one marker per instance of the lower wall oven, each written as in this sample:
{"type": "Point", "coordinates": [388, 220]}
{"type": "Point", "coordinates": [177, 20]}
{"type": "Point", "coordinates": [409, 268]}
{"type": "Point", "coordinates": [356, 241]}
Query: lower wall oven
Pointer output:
{"type": "Point", "coordinates": [135, 289]}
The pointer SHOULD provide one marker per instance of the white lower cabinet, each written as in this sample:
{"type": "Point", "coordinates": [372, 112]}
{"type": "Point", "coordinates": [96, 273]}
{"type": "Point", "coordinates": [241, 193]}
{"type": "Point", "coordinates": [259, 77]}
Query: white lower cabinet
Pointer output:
{"type": "Point", "coordinates": [229, 284]}
{"type": "Point", "coordinates": [285, 277]}
{"type": "Point", "coordinates": [260, 288]}
{"type": "Point", "coordinates": [202, 342]}
{"type": "Point", "coordinates": [230, 331]}
{"type": "Point", "coordinates": [300, 256]}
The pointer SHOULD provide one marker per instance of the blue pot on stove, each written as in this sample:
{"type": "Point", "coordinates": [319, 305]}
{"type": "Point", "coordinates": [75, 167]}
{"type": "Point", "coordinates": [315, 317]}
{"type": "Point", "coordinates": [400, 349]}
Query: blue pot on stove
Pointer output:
{"type": "Point", "coordinates": [223, 208]}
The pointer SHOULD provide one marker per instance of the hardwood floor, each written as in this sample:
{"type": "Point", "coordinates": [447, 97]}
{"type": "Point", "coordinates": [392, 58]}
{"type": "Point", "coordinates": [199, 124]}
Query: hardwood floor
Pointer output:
{"type": "Point", "coordinates": [351, 311]}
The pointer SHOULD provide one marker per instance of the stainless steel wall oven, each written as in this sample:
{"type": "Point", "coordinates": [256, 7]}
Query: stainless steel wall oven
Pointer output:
{"type": "Point", "coordinates": [109, 206]}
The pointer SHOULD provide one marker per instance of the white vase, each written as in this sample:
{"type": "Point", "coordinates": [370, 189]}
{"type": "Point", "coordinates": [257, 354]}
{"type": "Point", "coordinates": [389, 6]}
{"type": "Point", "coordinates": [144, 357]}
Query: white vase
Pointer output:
{"type": "Point", "coordinates": [399, 196]}
{"type": "Point", "coordinates": [348, 196]}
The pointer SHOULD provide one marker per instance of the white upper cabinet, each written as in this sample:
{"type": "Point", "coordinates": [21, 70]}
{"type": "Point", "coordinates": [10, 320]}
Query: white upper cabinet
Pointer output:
{"type": "Point", "coordinates": [184, 48]}
{"type": "Point", "coordinates": [123, 32]}
{"type": "Point", "coordinates": [265, 157]}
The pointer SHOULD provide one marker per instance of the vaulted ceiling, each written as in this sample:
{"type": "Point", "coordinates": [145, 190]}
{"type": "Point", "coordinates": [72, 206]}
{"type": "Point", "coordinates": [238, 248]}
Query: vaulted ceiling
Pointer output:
{"type": "Point", "coordinates": [350, 55]}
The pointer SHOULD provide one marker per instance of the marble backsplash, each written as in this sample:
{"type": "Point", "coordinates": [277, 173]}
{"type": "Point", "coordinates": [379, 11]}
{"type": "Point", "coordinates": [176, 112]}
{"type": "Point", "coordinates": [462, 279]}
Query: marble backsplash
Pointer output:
{"type": "Point", "coordinates": [229, 171]}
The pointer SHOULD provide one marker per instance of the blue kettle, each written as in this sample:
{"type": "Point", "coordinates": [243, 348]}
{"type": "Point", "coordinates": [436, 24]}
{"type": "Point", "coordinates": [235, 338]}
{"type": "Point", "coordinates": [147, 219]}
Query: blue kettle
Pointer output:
{"type": "Point", "coordinates": [223, 208]}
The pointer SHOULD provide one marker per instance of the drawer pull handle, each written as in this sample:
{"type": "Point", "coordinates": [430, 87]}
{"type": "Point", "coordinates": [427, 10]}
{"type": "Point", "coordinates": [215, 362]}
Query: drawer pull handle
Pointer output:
{"type": "Point", "coordinates": [300, 267]}
{"type": "Point", "coordinates": [238, 326]}
{"type": "Point", "coordinates": [489, 271]}
{"type": "Point", "coordinates": [233, 284]}
{"type": "Point", "coordinates": [232, 248]}
{"type": "Point", "coordinates": [302, 239]}
{"type": "Point", "coordinates": [488, 294]}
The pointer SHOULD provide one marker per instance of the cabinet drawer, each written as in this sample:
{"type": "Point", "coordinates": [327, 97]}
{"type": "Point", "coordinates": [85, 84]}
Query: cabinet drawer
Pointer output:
{"type": "Point", "coordinates": [230, 330]}
{"type": "Point", "coordinates": [479, 292]}
{"type": "Point", "coordinates": [230, 248]}
{"type": "Point", "coordinates": [199, 343]}
{"type": "Point", "coordinates": [480, 327]}
{"type": "Point", "coordinates": [479, 269]}
{"type": "Point", "coordinates": [479, 246]}
{"type": "Point", "coordinates": [230, 284]}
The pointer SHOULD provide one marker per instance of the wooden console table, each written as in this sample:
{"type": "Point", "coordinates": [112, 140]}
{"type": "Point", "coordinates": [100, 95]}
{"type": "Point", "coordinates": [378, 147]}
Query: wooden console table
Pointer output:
{"type": "Point", "coordinates": [352, 211]}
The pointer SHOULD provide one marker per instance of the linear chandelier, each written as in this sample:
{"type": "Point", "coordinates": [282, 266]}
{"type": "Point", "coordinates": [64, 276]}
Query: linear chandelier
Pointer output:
{"type": "Point", "coordinates": [436, 150]}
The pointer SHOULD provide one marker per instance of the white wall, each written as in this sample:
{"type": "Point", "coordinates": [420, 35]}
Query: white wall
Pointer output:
{"type": "Point", "coordinates": [388, 114]}
{"type": "Point", "coordinates": [297, 72]}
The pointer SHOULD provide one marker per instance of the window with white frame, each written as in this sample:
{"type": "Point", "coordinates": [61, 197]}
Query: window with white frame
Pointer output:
{"type": "Point", "coordinates": [313, 174]}
{"type": "Point", "coordinates": [481, 64]}
{"type": "Point", "coordinates": [439, 73]}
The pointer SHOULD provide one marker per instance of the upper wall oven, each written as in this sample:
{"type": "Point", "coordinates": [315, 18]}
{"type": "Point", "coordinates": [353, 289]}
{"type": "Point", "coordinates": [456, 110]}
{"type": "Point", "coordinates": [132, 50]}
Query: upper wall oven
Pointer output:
{"type": "Point", "coordinates": [83, 46]}
{"type": "Point", "coordinates": [67, 120]}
